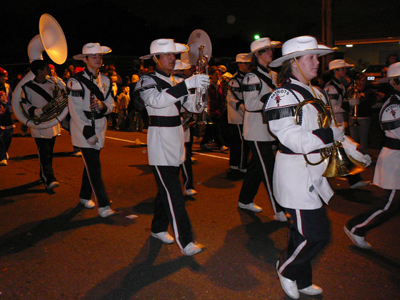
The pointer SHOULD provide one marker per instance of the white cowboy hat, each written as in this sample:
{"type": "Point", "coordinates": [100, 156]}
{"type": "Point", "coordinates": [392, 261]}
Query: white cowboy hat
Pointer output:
{"type": "Point", "coordinates": [261, 44]}
{"type": "Point", "coordinates": [92, 48]}
{"type": "Point", "coordinates": [181, 65]}
{"type": "Point", "coordinates": [299, 46]}
{"type": "Point", "coordinates": [392, 72]}
{"type": "Point", "coordinates": [241, 58]}
{"type": "Point", "coordinates": [339, 63]}
{"type": "Point", "coordinates": [162, 46]}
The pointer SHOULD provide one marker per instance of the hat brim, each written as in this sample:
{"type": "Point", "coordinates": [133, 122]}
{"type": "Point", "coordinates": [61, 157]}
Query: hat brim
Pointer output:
{"type": "Point", "coordinates": [345, 66]}
{"type": "Point", "coordinates": [180, 48]}
{"type": "Point", "coordinates": [273, 44]}
{"type": "Point", "coordinates": [387, 79]}
{"type": "Point", "coordinates": [104, 49]}
{"type": "Point", "coordinates": [323, 50]}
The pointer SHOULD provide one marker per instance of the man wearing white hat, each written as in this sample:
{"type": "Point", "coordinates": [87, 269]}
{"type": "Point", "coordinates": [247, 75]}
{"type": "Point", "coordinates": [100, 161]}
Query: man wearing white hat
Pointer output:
{"type": "Point", "coordinates": [337, 95]}
{"type": "Point", "coordinates": [387, 170]}
{"type": "Point", "coordinates": [90, 100]}
{"type": "Point", "coordinates": [256, 85]}
{"type": "Point", "coordinates": [298, 186]}
{"type": "Point", "coordinates": [163, 95]}
{"type": "Point", "coordinates": [239, 149]}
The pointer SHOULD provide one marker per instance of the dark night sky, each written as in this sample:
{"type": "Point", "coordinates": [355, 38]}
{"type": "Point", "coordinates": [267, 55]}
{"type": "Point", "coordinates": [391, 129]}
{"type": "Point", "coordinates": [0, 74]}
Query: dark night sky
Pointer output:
{"type": "Point", "coordinates": [128, 27]}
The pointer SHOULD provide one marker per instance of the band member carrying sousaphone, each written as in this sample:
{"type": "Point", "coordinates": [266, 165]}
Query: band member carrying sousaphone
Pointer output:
{"type": "Point", "coordinates": [89, 101]}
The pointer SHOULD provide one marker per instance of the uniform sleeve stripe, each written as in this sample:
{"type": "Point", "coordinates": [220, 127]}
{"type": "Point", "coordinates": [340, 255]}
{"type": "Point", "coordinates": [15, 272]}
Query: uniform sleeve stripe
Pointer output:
{"type": "Point", "coordinates": [279, 113]}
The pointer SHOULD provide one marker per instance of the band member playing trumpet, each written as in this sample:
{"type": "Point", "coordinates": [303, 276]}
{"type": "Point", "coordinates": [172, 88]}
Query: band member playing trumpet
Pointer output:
{"type": "Point", "coordinates": [90, 100]}
{"type": "Point", "coordinates": [163, 95]}
{"type": "Point", "coordinates": [340, 105]}
{"type": "Point", "coordinates": [256, 85]}
{"type": "Point", "coordinates": [35, 95]}
{"type": "Point", "coordinates": [299, 187]}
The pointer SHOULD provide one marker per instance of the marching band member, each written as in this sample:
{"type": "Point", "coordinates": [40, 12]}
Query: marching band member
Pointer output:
{"type": "Point", "coordinates": [239, 150]}
{"type": "Point", "coordinates": [256, 86]}
{"type": "Point", "coordinates": [90, 100]}
{"type": "Point", "coordinates": [337, 95]}
{"type": "Point", "coordinates": [299, 187]}
{"type": "Point", "coordinates": [35, 95]}
{"type": "Point", "coordinates": [387, 170]}
{"type": "Point", "coordinates": [6, 122]}
{"type": "Point", "coordinates": [163, 95]}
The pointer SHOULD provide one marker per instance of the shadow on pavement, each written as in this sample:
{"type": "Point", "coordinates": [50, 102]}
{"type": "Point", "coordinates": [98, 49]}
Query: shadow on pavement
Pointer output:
{"type": "Point", "coordinates": [20, 190]}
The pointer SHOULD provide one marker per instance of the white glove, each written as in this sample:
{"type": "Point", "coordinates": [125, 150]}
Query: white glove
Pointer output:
{"type": "Point", "coordinates": [197, 81]}
{"type": "Point", "coordinates": [354, 101]}
{"type": "Point", "coordinates": [350, 147]}
{"type": "Point", "coordinates": [338, 133]}
{"type": "Point", "coordinates": [38, 112]}
{"type": "Point", "coordinates": [93, 140]}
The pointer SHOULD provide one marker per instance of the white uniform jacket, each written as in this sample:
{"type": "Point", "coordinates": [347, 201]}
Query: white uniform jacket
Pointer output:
{"type": "Point", "coordinates": [235, 99]}
{"type": "Point", "coordinates": [36, 95]}
{"type": "Point", "coordinates": [298, 185]}
{"type": "Point", "coordinates": [163, 96]}
{"type": "Point", "coordinates": [255, 90]}
{"type": "Point", "coordinates": [387, 170]}
{"type": "Point", "coordinates": [337, 93]}
{"type": "Point", "coordinates": [79, 108]}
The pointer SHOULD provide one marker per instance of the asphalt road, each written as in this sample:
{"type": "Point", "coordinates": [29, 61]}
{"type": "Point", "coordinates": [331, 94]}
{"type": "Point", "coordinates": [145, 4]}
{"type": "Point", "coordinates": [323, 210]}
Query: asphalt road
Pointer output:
{"type": "Point", "coordinates": [53, 248]}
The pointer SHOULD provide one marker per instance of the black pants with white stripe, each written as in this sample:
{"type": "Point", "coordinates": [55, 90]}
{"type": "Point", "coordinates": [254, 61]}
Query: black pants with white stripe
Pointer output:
{"type": "Point", "coordinates": [169, 206]}
{"type": "Point", "coordinates": [309, 232]}
{"type": "Point", "coordinates": [45, 150]}
{"type": "Point", "coordinates": [388, 205]}
{"type": "Point", "coordinates": [187, 172]}
{"type": "Point", "coordinates": [92, 181]}
{"type": "Point", "coordinates": [260, 169]}
{"type": "Point", "coordinates": [239, 150]}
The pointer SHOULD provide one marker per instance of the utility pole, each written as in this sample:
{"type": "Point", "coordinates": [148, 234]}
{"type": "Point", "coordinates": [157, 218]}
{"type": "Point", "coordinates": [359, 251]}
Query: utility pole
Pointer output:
{"type": "Point", "coordinates": [327, 38]}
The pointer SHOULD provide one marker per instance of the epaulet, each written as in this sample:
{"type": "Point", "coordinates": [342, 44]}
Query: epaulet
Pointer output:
{"type": "Point", "coordinates": [75, 88]}
{"type": "Point", "coordinates": [251, 79]}
{"type": "Point", "coordinates": [390, 114]}
{"type": "Point", "coordinates": [233, 82]}
{"type": "Point", "coordinates": [280, 105]}
{"type": "Point", "coordinates": [145, 82]}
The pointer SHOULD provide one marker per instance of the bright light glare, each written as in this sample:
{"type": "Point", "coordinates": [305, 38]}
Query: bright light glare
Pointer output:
{"type": "Point", "coordinates": [349, 46]}
{"type": "Point", "coordinates": [256, 37]}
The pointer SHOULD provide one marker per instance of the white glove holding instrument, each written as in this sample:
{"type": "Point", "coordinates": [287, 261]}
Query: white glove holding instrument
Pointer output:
{"type": "Point", "coordinates": [38, 112]}
{"type": "Point", "coordinates": [198, 81]}
{"type": "Point", "coordinates": [350, 147]}
{"type": "Point", "coordinates": [338, 133]}
{"type": "Point", "coordinates": [93, 140]}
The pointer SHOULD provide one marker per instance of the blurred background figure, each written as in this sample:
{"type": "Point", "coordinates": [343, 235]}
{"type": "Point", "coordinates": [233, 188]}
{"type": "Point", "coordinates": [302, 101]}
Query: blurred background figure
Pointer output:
{"type": "Point", "coordinates": [6, 122]}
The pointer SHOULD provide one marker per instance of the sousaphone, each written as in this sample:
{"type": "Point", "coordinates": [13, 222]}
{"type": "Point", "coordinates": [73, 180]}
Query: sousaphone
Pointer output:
{"type": "Point", "coordinates": [51, 39]}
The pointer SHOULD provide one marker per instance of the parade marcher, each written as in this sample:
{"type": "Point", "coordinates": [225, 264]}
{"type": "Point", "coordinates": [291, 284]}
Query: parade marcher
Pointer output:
{"type": "Point", "coordinates": [123, 103]}
{"type": "Point", "coordinates": [337, 94]}
{"type": "Point", "coordinates": [6, 122]}
{"type": "Point", "coordinates": [90, 100]}
{"type": "Point", "coordinates": [300, 188]}
{"type": "Point", "coordinates": [188, 122]}
{"type": "Point", "coordinates": [163, 95]}
{"type": "Point", "coordinates": [387, 170]}
{"type": "Point", "coordinates": [256, 85]}
{"type": "Point", "coordinates": [35, 95]}
{"type": "Point", "coordinates": [239, 149]}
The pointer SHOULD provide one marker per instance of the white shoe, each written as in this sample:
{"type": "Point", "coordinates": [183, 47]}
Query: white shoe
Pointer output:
{"type": "Point", "coordinates": [251, 206]}
{"type": "Point", "coordinates": [87, 203]}
{"type": "Point", "coordinates": [223, 148]}
{"type": "Point", "coordinates": [190, 192]}
{"type": "Point", "coordinates": [106, 211]}
{"type": "Point", "coordinates": [359, 241]}
{"type": "Point", "coordinates": [164, 237]}
{"type": "Point", "coordinates": [360, 184]}
{"type": "Point", "coordinates": [52, 185]}
{"type": "Point", "coordinates": [234, 168]}
{"type": "Point", "coordinates": [312, 290]}
{"type": "Point", "coordinates": [243, 170]}
{"type": "Point", "coordinates": [288, 286]}
{"type": "Point", "coordinates": [192, 249]}
{"type": "Point", "coordinates": [280, 216]}
{"type": "Point", "coordinates": [3, 162]}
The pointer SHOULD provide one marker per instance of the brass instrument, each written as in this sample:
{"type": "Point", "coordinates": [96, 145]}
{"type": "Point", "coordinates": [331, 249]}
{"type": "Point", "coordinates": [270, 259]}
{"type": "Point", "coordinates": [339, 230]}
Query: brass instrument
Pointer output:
{"type": "Point", "coordinates": [199, 55]}
{"type": "Point", "coordinates": [354, 94]}
{"type": "Point", "coordinates": [52, 40]}
{"type": "Point", "coordinates": [339, 163]}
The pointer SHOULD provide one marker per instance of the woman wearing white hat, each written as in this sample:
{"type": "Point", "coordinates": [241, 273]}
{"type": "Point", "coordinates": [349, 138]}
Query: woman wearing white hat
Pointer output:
{"type": "Point", "coordinates": [89, 123]}
{"type": "Point", "coordinates": [387, 170]}
{"type": "Point", "coordinates": [256, 85]}
{"type": "Point", "coordinates": [163, 95]}
{"type": "Point", "coordinates": [299, 187]}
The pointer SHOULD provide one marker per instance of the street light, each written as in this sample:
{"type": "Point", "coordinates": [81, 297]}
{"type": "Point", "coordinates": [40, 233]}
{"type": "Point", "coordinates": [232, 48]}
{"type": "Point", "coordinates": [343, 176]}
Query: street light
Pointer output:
{"type": "Point", "coordinates": [256, 37]}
